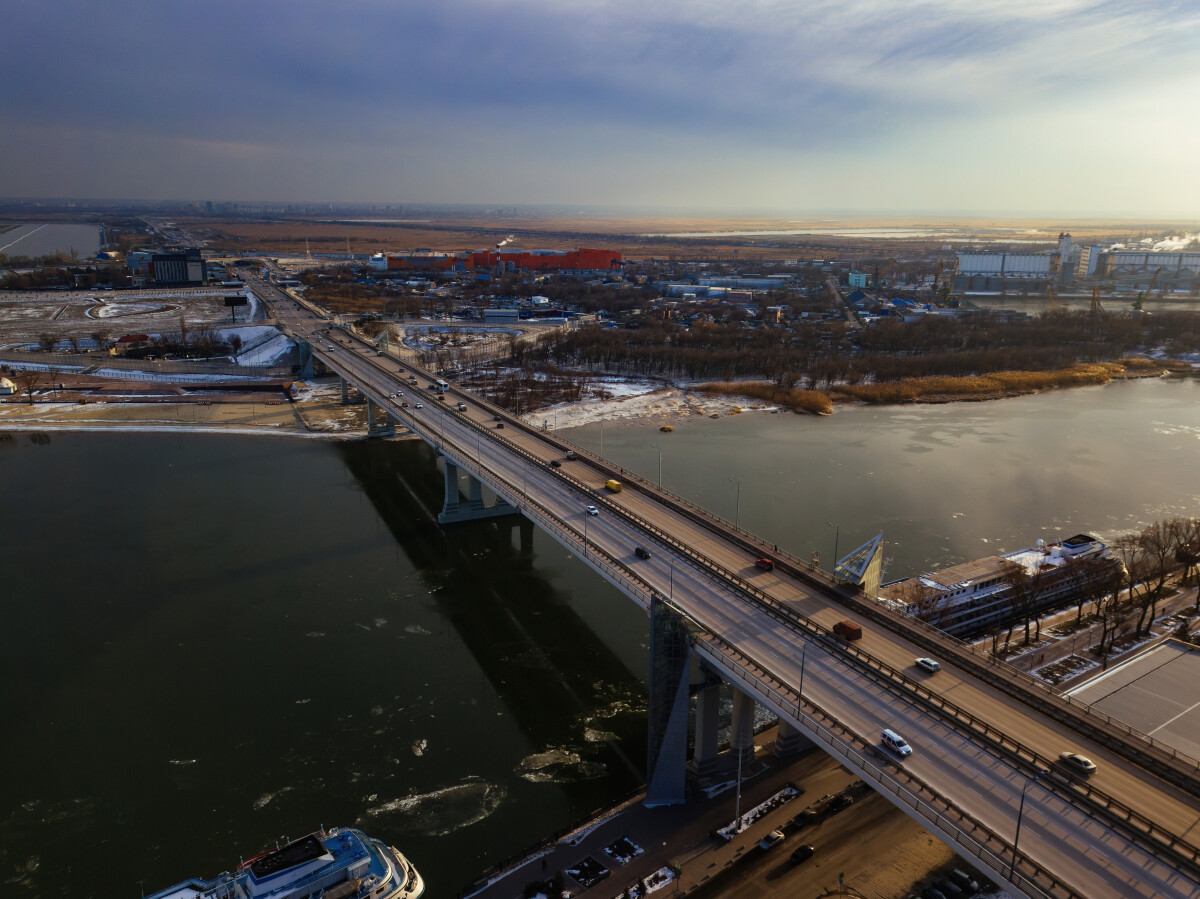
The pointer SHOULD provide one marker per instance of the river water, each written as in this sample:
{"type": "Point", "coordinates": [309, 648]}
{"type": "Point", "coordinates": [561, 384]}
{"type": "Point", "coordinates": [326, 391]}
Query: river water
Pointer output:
{"type": "Point", "coordinates": [44, 239]}
{"type": "Point", "coordinates": [211, 642]}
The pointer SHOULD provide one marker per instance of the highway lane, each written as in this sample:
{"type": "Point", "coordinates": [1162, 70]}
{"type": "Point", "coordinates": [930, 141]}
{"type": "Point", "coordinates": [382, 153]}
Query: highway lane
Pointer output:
{"type": "Point", "coordinates": [992, 797]}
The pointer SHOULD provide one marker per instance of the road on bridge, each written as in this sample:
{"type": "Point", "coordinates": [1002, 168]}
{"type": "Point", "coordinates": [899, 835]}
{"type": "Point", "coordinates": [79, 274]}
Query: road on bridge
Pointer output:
{"type": "Point", "coordinates": [1095, 855]}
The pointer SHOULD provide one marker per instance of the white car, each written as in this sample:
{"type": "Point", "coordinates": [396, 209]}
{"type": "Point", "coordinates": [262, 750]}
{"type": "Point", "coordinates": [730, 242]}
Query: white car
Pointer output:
{"type": "Point", "coordinates": [592, 510]}
{"type": "Point", "coordinates": [928, 664]}
{"type": "Point", "coordinates": [774, 838]}
{"type": "Point", "coordinates": [419, 406]}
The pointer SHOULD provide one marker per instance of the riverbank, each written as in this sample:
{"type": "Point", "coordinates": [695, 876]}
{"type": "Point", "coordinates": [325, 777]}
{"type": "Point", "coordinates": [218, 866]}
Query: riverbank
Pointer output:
{"type": "Point", "coordinates": [316, 412]}
{"type": "Point", "coordinates": [666, 405]}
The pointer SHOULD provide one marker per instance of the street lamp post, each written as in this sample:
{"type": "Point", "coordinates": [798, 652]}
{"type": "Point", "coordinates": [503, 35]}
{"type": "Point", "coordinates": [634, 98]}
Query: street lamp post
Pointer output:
{"type": "Point", "coordinates": [803, 657]}
{"type": "Point", "coordinates": [585, 518]}
{"type": "Point", "coordinates": [737, 506]}
{"type": "Point", "coordinates": [836, 533]}
{"type": "Point", "coordinates": [1020, 815]}
{"type": "Point", "coordinates": [659, 448]}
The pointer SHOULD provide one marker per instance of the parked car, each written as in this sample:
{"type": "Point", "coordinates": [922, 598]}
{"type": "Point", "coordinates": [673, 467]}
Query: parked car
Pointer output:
{"type": "Point", "coordinates": [1080, 764]}
{"type": "Point", "coordinates": [840, 802]}
{"type": "Point", "coordinates": [803, 854]}
{"type": "Point", "coordinates": [771, 840]}
{"type": "Point", "coordinates": [592, 510]}
{"type": "Point", "coordinates": [641, 552]}
{"type": "Point", "coordinates": [806, 817]}
{"type": "Point", "coordinates": [928, 664]}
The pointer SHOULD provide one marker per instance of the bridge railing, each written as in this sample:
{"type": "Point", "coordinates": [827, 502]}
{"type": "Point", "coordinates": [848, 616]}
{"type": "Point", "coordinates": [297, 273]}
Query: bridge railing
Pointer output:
{"type": "Point", "coordinates": [1097, 724]}
{"type": "Point", "coordinates": [965, 832]}
{"type": "Point", "coordinates": [1152, 754]}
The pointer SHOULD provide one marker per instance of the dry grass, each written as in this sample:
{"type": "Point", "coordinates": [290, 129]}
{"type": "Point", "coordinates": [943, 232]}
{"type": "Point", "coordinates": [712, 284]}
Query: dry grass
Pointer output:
{"type": "Point", "coordinates": [997, 384]}
{"type": "Point", "coordinates": [938, 388]}
{"type": "Point", "coordinates": [814, 402]}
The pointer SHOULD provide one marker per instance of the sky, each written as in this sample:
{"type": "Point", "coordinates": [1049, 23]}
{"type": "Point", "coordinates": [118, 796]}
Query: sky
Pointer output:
{"type": "Point", "coordinates": [1009, 107]}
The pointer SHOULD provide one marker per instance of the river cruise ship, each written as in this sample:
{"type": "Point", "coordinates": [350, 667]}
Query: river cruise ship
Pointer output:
{"type": "Point", "coordinates": [341, 863]}
{"type": "Point", "coordinates": [970, 599]}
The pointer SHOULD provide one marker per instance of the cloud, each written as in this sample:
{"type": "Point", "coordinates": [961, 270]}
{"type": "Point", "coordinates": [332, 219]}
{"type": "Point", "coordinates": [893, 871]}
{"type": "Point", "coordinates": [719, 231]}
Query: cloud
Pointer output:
{"type": "Point", "coordinates": [438, 95]}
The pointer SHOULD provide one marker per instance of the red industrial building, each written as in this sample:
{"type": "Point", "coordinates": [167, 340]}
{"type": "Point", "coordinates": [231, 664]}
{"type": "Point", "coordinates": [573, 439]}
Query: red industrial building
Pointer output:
{"type": "Point", "coordinates": [581, 259]}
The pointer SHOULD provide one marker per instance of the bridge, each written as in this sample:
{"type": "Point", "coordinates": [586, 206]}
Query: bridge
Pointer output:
{"type": "Point", "coordinates": [984, 774]}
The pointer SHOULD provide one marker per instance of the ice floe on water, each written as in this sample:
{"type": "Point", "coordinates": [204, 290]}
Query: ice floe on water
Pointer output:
{"type": "Point", "coordinates": [443, 811]}
{"type": "Point", "coordinates": [379, 622]}
{"type": "Point", "coordinates": [315, 634]}
{"type": "Point", "coordinates": [266, 798]}
{"type": "Point", "coordinates": [559, 765]}
{"type": "Point", "coordinates": [376, 711]}
{"type": "Point", "coordinates": [418, 747]}
{"type": "Point", "coordinates": [593, 735]}
{"type": "Point", "coordinates": [416, 629]}
{"type": "Point", "coordinates": [183, 761]}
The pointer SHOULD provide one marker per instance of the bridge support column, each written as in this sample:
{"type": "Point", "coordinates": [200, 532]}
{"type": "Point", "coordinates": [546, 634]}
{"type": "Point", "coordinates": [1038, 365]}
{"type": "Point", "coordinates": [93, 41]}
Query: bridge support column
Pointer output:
{"type": "Point", "coordinates": [666, 749]}
{"type": "Point", "coordinates": [306, 359]}
{"type": "Point", "coordinates": [741, 731]}
{"type": "Point", "coordinates": [708, 721]}
{"type": "Point", "coordinates": [789, 741]}
{"type": "Point", "coordinates": [450, 505]}
{"type": "Point", "coordinates": [526, 532]}
{"type": "Point", "coordinates": [380, 428]}
{"type": "Point", "coordinates": [454, 511]}
{"type": "Point", "coordinates": [345, 391]}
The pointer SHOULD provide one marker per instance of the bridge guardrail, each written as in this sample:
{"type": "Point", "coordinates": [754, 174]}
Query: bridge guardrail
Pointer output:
{"type": "Point", "coordinates": [992, 851]}
{"type": "Point", "coordinates": [1017, 683]}
{"type": "Point", "coordinates": [1099, 800]}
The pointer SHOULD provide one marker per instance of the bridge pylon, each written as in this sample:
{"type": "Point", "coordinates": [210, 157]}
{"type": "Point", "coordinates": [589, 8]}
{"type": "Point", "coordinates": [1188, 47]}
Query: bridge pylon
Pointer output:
{"type": "Point", "coordinates": [454, 510]}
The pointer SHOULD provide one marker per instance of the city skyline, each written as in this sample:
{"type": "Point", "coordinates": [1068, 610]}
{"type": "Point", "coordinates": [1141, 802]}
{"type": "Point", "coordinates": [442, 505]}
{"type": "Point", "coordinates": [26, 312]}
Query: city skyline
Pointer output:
{"type": "Point", "coordinates": [1065, 108]}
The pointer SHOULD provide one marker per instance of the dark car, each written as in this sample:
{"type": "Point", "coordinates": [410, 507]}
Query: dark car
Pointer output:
{"type": "Point", "coordinates": [806, 817]}
{"type": "Point", "coordinates": [840, 802]}
{"type": "Point", "coordinates": [641, 552]}
{"type": "Point", "coordinates": [554, 463]}
{"type": "Point", "coordinates": [499, 425]}
{"type": "Point", "coordinates": [803, 854]}
{"type": "Point", "coordinates": [765, 564]}
{"type": "Point", "coordinates": [932, 893]}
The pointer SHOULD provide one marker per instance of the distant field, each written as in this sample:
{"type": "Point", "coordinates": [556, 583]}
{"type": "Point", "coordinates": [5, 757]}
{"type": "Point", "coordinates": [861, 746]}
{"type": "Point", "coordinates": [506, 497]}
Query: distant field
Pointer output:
{"type": "Point", "coordinates": [628, 235]}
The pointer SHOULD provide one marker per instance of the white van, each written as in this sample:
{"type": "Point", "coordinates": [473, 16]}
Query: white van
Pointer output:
{"type": "Point", "coordinates": [896, 743]}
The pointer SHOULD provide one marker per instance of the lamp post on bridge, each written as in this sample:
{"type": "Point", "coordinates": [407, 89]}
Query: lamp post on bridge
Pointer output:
{"type": "Point", "coordinates": [836, 533]}
{"type": "Point", "coordinates": [1020, 815]}
{"type": "Point", "coordinates": [737, 506]}
{"type": "Point", "coordinates": [659, 448]}
{"type": "Point", "coordinates": [803, 658]}
{"type": "Point", "coordinates": [585, 520]}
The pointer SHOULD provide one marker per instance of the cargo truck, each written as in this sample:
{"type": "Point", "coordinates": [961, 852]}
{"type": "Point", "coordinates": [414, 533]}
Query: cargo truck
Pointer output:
{"type": "Point", "coordinates": [614, 486]}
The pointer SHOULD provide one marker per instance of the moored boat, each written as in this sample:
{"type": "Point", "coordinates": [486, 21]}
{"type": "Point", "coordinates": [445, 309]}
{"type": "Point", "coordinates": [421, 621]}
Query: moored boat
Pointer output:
{"type": "Point", "coordinates": [341, 863]}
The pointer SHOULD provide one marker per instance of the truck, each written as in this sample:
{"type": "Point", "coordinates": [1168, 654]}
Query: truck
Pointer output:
{"type": "Point", "coordinates": [613, 485]}
{"type": "Point", "coordinates": [848, 630]}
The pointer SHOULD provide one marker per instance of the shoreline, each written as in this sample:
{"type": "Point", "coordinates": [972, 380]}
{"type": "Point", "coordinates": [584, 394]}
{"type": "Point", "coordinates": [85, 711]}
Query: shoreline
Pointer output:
{"type": "Point", "coordinates": [320, 416]}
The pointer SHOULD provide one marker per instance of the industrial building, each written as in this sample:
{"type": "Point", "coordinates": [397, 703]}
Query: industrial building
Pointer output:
{"type": "Point", "coordinates": [167, 266]}
{"type": "Point", "coordinates": [578, 260]}
{"type": "Point", "coordinates": [1136, 268]}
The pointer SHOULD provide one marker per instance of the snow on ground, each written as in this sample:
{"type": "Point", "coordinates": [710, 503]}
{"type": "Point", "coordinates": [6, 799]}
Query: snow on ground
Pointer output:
{"type": "Point", "coordinates": [158, 376]}
{"type": "Point", "coordinates": [642, 399]}
{"type": "Point", "coordinates": [267, 352]}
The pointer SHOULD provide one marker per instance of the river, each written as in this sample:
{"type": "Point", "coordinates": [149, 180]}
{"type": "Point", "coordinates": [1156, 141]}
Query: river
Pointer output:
{"type": "Point", "coordinates": [213, 641]}
{"type": "Point", "coordinates": [43, 239]}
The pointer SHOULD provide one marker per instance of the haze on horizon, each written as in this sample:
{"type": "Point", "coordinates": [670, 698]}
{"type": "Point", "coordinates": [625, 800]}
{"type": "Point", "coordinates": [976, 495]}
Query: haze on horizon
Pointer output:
{"type": "Point", "coordinates": [1006, 107]}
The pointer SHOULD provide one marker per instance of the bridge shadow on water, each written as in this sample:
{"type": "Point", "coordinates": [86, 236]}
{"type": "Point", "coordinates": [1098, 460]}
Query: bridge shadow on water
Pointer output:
{"type": "Point", "coordinates": [528, 635]}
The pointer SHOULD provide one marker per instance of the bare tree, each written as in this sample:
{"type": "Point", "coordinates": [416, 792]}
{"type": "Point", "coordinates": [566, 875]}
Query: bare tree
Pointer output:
{"type": "Point", "coordinates": [1158, 541]}
{"type": "Point", "coordinates": [28, 380]}
{"type": "Point", "coordinates": [47, 341]}
{"type": "Point", "coordinates": [921, 601]}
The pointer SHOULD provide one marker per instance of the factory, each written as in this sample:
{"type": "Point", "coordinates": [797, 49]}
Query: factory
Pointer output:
{"type": "Point", "coordinates": [175, 267]}
{"type": "Point", "coordinates": [1069, 264]}
{"type": "Point", "coordinates": [565, 261]}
